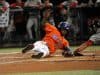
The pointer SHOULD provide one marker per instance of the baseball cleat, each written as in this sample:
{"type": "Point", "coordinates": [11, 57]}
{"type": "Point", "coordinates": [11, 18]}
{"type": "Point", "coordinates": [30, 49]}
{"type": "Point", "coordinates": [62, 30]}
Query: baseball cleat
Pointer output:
{"type": "Point", "coordinates": [27, 48]}
{"type": "Point", "coordinates": [38, 56]}
{"type": "Point", "coordinates": [78, 54]}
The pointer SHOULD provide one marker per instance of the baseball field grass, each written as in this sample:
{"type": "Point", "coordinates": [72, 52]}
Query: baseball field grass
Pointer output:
{"type": "Point", "coordinates": [8, 50]}
{"type": "Point", "coordinates": [80, 72]}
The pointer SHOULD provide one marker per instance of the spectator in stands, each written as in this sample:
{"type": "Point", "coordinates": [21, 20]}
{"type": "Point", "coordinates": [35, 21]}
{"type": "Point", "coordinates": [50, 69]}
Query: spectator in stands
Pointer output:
{"type": "Point", "coordinates": [61, 11]}
{"type": "Point", "coordinates": [34, 7]}
{"type": "Point", "coordinates": [4, 15]}
{"type": "Point", "coordinates": [73, 20]}
{"type": "Point", "coordinates": [83, 3]}
{"type": "Point", "coordinates": [47, 11]}
{"type": "Point", "coordinates": [4, 7]}
{"type": "Point", "coordinates": [56, 10]}
{"type": "Point", "coordinates": [98, 3]}
{"type": "Point", "coordinates": [73, 4]}
{"type": "Point", "coordinates": [17, 17]}
{"type": "Point", "coordinates": [18, 4]}
{"type": "Point", "coordinates": [92, 2]}
{"type": "Point", "coordinates": [64, 10]}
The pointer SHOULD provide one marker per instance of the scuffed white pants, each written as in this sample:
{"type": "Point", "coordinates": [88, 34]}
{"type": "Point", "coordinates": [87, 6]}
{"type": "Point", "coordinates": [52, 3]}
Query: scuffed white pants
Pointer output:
{"type": "Point", "coordinates": [40, 46]}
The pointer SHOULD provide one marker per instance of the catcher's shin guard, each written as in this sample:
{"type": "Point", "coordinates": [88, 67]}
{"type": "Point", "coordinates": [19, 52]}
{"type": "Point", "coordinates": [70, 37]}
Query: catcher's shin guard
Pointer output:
{"type": "Point", "coordinates": [27, 48]}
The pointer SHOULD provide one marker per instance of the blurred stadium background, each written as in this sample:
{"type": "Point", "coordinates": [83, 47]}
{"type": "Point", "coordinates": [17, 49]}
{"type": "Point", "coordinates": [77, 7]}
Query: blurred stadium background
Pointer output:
{"type": "Point", "coordinates": [78, 16]}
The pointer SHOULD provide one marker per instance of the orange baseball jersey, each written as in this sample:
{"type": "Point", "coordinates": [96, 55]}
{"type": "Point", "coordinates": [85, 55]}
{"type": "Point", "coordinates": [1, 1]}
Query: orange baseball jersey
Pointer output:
{"type": "Point", "coordinates": [53, 38]}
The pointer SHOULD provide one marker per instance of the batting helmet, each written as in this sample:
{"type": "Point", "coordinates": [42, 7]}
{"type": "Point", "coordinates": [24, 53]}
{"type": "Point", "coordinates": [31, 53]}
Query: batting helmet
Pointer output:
{"type": "Point", "coordinates": [64, 25]}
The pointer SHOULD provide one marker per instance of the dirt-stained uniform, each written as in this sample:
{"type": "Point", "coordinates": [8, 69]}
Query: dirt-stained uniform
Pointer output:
{"type": "Point", "coordinates": [53, 38]}
{"type": "Point", "coordinates": [52, 41]}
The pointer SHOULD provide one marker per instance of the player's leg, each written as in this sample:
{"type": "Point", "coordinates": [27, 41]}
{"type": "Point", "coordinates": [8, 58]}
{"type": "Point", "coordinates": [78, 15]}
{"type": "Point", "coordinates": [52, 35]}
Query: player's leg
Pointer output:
{"type": "Point", "coordinates": [93, 39]}
{"type": "Point", "coordinates": [40, 49]}
{"type": "Point", "coordinates": [38, 55]}
{"type": "Point", "coordinates": [27, 48]}
{"type": "Point", "coordinates": [82, 47]}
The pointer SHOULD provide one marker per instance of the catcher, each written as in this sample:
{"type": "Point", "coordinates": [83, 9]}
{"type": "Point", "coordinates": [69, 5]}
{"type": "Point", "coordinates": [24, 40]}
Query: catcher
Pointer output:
{"type": "Point", "coordinates": [92, 40]}
{"type": "Point", "coordinates": [52, 41]}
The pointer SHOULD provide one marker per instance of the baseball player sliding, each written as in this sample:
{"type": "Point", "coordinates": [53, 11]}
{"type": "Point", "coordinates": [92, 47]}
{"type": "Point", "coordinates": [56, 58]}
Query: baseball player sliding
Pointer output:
{"type": "Point", "coordinates": [52, 41]}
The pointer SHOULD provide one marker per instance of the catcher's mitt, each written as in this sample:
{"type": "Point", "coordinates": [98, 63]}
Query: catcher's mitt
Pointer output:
{"type": "Point", "coordinates": [67, 54]}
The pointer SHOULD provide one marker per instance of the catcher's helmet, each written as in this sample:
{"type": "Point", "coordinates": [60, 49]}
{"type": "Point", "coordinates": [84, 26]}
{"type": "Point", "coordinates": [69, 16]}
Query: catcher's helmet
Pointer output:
{"type": "Point", "coordinates": [64, 25]}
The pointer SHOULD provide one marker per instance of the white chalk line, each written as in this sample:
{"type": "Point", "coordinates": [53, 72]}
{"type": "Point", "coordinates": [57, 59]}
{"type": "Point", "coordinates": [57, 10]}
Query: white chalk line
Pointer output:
{"type": "Point", "coordinates": [45, 60]}
{"type": "Point", "coordinates": [15, 57]}
{"type": "Point", "coordinates": [20, 61]}
{"type": "Point", "coordinates": [10, 53]}
{"type": "Point", "coordinates": [27, 60]}
{"type": "Point", "coordinates": [10, 57]}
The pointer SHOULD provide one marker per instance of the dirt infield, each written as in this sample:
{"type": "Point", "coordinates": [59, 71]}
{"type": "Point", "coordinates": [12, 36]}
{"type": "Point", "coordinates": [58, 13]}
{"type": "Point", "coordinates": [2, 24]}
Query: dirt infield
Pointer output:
{"type": "Point", "coordinates": [17, 62]}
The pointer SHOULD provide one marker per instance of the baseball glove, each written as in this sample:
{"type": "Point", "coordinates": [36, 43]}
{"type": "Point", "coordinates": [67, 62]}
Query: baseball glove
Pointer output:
{"type": "Point", "coordinates": [67, 54]}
